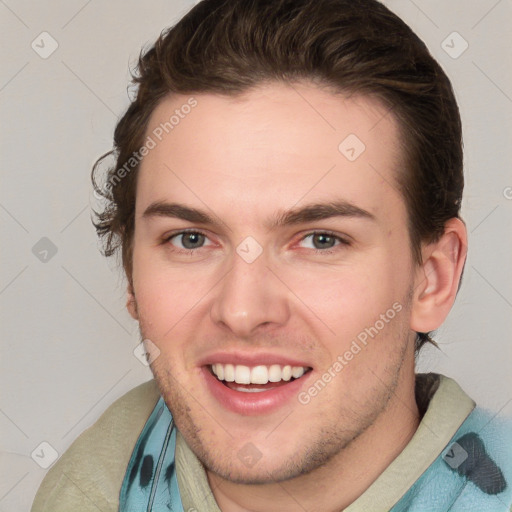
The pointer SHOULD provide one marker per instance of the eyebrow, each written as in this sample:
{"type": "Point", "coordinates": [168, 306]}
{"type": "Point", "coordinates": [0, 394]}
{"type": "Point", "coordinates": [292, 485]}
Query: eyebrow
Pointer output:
{"type": "Point", "coordinates": [309, 213]}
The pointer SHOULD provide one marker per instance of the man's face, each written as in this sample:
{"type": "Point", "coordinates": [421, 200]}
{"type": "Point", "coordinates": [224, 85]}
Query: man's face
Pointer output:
{"type": "Point", "coordinates": [272, 281]}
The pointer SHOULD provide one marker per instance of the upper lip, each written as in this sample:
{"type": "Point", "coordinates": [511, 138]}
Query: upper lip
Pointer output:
{"type": "Point", "coordinates": [251, 359]}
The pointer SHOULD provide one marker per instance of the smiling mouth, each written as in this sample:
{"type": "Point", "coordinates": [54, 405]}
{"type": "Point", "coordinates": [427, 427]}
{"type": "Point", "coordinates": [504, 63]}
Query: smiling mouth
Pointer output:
{"type": "Point", "coordinates": [256, 379]}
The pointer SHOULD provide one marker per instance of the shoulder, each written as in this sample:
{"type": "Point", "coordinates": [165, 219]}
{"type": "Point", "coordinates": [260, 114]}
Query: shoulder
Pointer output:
{"type": "Point", "coordinates": [480, 453]}
{"type": "Point", "coordinates": [89, 474]}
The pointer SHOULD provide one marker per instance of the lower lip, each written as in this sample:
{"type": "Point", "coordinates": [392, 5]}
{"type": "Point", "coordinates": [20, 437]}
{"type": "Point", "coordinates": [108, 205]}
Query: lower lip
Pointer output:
{"type": "Point", "coordinates": [251, 404]}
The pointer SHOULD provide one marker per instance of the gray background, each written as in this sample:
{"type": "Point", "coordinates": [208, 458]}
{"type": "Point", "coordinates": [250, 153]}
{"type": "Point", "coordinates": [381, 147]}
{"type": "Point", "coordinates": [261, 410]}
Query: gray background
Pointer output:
{"type": "Point", "coordinates": [67, 340]}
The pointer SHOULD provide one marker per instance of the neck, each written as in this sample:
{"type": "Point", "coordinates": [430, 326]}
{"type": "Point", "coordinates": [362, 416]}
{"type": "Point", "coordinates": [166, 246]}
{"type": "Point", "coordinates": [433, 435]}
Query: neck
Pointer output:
{"type": "Point", "coordinates": [337, 484]}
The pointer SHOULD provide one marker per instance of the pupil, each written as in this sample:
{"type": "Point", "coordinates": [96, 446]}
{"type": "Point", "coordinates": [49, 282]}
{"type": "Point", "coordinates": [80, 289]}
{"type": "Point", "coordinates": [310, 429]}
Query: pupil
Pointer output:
{"type": "Point", "coordinates": [193, 240]}
{"type": "Point", "coordinates": [322, 241]}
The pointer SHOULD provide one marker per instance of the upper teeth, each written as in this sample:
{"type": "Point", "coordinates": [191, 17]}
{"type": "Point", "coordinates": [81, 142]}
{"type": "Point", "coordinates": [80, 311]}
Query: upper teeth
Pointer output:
{"type": "Point", "coordinates": [257, 374]}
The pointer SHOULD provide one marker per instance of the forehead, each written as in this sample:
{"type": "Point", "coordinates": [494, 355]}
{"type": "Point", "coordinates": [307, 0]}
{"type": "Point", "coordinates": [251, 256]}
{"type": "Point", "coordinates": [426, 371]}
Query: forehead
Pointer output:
{"type": "Point", "coordinates": [270, 148]}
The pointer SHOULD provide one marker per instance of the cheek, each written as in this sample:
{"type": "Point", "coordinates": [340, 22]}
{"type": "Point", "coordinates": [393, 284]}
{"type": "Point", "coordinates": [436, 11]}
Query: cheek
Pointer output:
{"type": "Point", "coordinates": [349, 299]}
{"type": "Point", "coordinates": [168, 298]}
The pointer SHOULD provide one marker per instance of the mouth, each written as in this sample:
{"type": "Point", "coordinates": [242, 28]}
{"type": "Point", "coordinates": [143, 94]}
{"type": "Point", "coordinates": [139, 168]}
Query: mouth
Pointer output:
{"type": "Point", "coordinates": [256, 379]}
{"type": "Point", "coordinates": [256, 389]}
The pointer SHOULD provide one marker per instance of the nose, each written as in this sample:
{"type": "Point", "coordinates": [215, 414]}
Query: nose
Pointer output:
{"type": "Point", "coordinates": [250, 298]}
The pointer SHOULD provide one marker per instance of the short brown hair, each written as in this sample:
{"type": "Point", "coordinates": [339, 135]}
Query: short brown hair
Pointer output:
{"type": "Point", "coordinates": [352, 46]}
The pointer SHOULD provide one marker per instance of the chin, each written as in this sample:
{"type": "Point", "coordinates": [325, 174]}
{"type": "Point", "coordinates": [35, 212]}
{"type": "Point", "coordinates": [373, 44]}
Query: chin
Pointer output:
{"type": "Point", "coordinates": [263, 472]}
{"type": "Point", "coordinates": [243, 463]}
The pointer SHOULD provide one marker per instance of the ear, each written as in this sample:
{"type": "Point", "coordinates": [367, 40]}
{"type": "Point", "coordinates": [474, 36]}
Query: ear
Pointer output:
{"type": "Point", "coordinates": [131, 303]}
{"type": "Point", "coordinates": [438, 277]}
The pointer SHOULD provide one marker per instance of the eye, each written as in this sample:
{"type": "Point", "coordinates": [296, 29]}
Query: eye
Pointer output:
{"type": "Point", "coordinates": [188, 240]}
{"type": "Point", "coordinates": [322, 241]}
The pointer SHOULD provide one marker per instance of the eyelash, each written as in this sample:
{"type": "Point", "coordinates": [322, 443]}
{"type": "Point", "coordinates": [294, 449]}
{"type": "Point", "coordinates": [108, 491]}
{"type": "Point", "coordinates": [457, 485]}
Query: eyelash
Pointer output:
{"type": "Point", "coordinates": [342, 241]}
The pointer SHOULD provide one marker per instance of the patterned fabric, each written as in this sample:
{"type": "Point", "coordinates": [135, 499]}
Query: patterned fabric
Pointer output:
{"type": "Point", "coordinates": [472, 474]}
{"type": "Point", "coordinates": [150, 482]}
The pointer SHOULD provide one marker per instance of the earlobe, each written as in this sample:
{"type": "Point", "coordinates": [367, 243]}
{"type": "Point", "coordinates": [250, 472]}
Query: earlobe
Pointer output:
{"type": "Point", "coordinates": [437, 280]}
{"type": "Point", "coordinates": [131, 303]}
